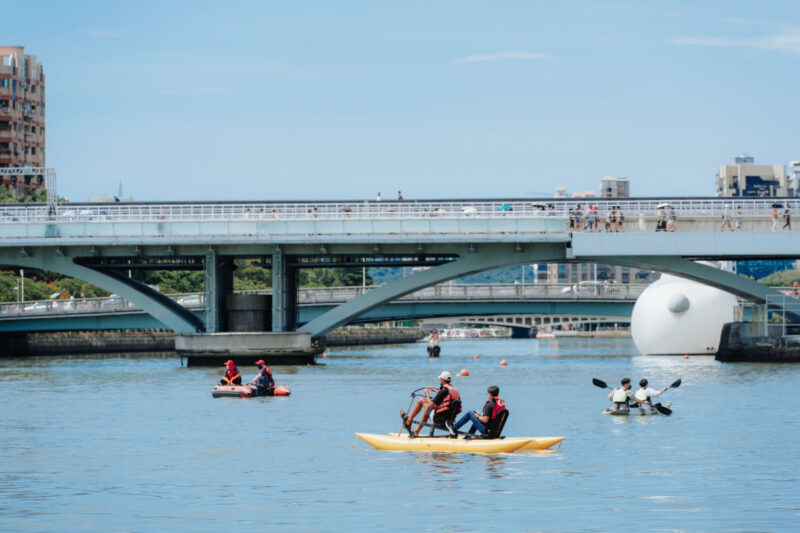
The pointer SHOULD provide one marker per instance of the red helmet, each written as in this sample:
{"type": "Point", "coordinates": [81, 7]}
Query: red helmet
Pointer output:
{"type": "Point", "coordinates": [260, 362]}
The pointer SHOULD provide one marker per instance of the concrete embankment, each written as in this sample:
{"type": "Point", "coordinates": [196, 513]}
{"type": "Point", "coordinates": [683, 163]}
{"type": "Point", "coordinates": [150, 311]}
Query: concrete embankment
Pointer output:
{"type": "Point", "coordinates": [364, 336]}
{"type": "Point", "coordinates": [85, 342]}
{"type": "Point", "coordinates": [108, 342]}
{"type": "Point", "coordinates": [748, 342]}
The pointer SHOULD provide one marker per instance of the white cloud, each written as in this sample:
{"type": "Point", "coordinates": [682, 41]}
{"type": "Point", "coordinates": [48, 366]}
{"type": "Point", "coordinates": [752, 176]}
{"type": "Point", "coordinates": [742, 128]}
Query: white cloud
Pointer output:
{"type": "Point", "coordinates": [500, 56]}
{"type": "Point", "coordinates": [787, 41]}
{"type": "Point", "coordinates": [103, 34]}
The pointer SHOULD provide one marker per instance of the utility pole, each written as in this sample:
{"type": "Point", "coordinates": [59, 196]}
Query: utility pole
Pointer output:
{"type": "Point", "coordinates": [22, 284]}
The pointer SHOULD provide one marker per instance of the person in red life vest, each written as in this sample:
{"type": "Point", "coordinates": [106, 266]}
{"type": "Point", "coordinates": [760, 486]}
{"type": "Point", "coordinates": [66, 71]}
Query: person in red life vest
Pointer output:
{"type": "Point", "coordinates": [490, 410]}
{"type": "Point", "coordinates": [446, 394]}
{"type": "Point", "coordinates": [232, 375]}
{"type": "Point", "coordinates": [263, 383]}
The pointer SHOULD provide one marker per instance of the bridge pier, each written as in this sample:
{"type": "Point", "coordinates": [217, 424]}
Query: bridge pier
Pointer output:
{"type": "Point", "coordinates": [236, 326]}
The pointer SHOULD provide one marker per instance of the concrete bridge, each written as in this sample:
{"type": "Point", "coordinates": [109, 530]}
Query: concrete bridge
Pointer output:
{"type": "Point", "coordinates": [99, 243]}
{"type": "Point", "coordinates": [582, 303]}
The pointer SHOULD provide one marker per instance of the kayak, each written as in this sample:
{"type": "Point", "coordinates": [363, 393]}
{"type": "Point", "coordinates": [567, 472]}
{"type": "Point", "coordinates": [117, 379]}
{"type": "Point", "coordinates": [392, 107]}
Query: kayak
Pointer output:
{"type": "Point", "coordinates": [246, 391]}
{"type": "Point", "coordinates": [634, 411]}
{"type": "Point", "coordinates": [401, 442]}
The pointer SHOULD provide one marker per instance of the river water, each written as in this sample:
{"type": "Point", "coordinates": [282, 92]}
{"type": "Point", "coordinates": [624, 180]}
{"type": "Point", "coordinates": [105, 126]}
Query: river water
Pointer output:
{"type": "Point", "coordinates": [137, 444]}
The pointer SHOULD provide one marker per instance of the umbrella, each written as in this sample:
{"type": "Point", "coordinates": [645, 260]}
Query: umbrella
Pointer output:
{"type": "Point", "coordinates": [469, 210]}
{"type": "Point", "coordinates": [777, 205]}
{"type": "Point", "coordinates": [505, 207]}
{"type": "Point", "coordinates": [663, 205]}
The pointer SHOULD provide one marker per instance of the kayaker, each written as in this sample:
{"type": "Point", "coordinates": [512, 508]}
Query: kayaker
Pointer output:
{"type": "Point", "coordinates": [263, 382]}
{"type": "Point", "coordinates": [446, 394]}
{"type": "Point", "coordinates": [490, 410]}
{"type": "Point", "coordinates": [232, 375]}
{"type": "Point", "coordinates": [623, 395]}
{"type": "Point", "coordinates": [644, 394]}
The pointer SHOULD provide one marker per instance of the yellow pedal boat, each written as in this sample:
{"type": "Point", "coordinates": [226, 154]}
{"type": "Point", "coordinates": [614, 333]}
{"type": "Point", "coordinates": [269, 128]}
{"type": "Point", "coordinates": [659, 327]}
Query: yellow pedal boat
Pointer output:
{"type": "Point", "coordinates": [401, 442]}
{"type": "Point", "coordinates": [539, 443]}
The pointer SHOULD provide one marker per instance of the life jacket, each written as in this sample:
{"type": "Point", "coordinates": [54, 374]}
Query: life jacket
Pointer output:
{"type": "Point", "coordinates": [232, 373]}
{"type": "Point", "coordinates": [265, 377]}
{"type": "Point", "coordinates": [452, 395]}
{"type": "Point", "coordinates": [642, 396]}
{"type": "Point", "coordinates": [499, 405]}
{"type": "Point", "coordinates": [620, 396]}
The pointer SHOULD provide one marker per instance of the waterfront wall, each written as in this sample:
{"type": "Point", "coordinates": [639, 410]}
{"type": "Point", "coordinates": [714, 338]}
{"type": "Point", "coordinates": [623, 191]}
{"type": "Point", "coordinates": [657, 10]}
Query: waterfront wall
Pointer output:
{"type": "Point", "coordinates": [22, 344]}
{"type": "Point", "coordinates": [85, 342]}
{"type": "Point", "coordinates": [747, 342]}
{"type": "Point", "coordinates": [365, 336]}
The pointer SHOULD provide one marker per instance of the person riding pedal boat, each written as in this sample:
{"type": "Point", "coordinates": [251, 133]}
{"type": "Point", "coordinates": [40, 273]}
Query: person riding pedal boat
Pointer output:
{"type": "Point", "coordinates": [440, 404]}
{"type": "Point", "coordinates": [491, 409]}
{"type": "Point", "coordinates": [644, 395]}
{"type": "Point", "coordinates": [622, 396]}
{"type": "Point", "coordinates": [263, 383]}
{"type": "Point", "coordinates": [232, 375]}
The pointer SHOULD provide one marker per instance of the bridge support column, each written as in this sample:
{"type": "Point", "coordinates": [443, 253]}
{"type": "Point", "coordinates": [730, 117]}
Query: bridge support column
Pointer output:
{"type": "Point", "coordinates": [218, 284]}
{"type": "Point", "coordinates": [284, 293]}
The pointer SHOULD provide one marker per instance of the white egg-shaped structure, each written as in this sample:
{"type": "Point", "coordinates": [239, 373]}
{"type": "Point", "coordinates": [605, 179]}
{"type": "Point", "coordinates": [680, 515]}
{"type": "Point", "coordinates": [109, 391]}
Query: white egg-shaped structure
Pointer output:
{"type": "Point", "coordinates": [674, 316]}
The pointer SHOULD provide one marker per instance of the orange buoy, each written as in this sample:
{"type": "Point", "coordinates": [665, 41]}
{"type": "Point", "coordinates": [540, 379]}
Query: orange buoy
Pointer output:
{"type": "Point", "coordinates": [476, 356]}
{"type": "Point", "coordinates": [686, 356]}
{"type": "Point", "coordinates": [503, 363]}
{"type": "Point", "coordinates": [464, 372]}
{"type": "Point", "coordinates": [324, 356]}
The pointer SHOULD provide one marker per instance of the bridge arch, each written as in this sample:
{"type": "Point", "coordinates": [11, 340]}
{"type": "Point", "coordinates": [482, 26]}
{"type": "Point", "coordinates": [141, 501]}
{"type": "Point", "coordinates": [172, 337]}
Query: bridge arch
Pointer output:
{"type": "Point", "coordinates": [473, 261]}
{"type": "Point", "coordinates": [162, 308]}
{"type": "Point", "coordinates": [470, 261]}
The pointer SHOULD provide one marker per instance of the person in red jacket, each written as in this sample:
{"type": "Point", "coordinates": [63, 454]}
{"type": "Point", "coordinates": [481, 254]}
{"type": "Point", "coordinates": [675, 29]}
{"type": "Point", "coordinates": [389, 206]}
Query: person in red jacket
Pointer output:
{"type": "Point", "coordinates": [263, 384]}
{"type": "Point", "coordinates": [440, 404]}
{"type": "Point", "coordinates": [232, 375]}
{"type": "Point", "coordinates": [491, 408]}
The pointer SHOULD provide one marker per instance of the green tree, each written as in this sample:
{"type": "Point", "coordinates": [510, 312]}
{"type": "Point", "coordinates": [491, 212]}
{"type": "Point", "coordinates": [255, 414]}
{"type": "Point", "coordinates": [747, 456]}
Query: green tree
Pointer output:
{"type": "Point", "coordinates": [784, 278]}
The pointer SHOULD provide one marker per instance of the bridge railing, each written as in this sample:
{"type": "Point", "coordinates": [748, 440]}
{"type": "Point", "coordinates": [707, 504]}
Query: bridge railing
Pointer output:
{"type": "Point", "coordinates": [269, 211]}
{"type": "Point", "coordinates": [326, 295]}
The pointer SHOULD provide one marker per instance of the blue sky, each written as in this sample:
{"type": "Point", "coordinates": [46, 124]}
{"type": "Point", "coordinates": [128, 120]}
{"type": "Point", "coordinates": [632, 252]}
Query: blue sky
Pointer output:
{"type": "Point", "coordinates": [330, 100]}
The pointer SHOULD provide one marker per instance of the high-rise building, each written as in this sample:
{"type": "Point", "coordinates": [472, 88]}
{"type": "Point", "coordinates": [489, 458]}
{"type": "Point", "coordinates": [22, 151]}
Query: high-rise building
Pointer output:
{"type": "Point", "coordinates": [22, 116]}
{"type": "Point", "coordinates": [794, 178]}
{"type": "Point", "coordinates": [590, 272]}
{"type": "Point", "coordinates": [611, 187]}
{"type": "Point", "coordinates": [745, 178]}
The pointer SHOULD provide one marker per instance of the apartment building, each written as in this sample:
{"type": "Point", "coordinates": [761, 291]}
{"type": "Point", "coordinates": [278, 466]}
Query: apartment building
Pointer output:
{"type": "Point", "coordinates": [22, 117]}
{"type": "Point", "coordinates": [611, 187]}
{"type": "Point", "coordinates": [745, 178]}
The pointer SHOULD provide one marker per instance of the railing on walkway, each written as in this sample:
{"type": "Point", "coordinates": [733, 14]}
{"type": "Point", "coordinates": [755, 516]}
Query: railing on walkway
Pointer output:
{"type": "Point", "coordinates": [779, 316]}
{"type": "Point", "coordinates": [326, 295]}
{"type": "Point", "coordinates": [271, 211]}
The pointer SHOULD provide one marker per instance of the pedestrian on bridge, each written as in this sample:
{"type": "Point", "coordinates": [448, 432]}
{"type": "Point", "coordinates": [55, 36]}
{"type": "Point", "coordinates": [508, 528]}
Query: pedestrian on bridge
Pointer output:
{"type": "Point", "coordinates": [726, 218]}
{"type": "Point", "coordinates": [787, 218]}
